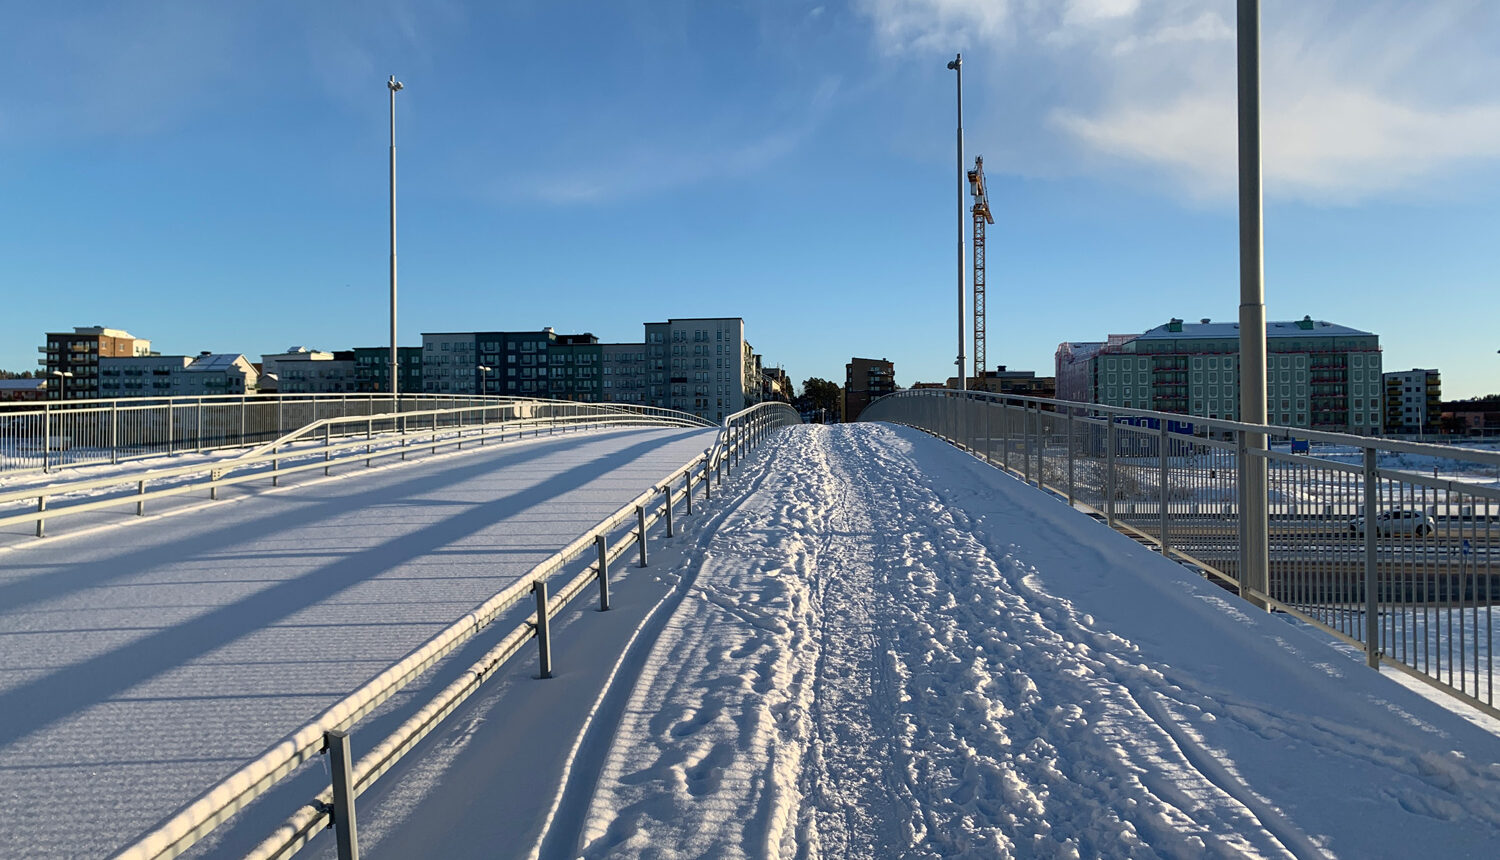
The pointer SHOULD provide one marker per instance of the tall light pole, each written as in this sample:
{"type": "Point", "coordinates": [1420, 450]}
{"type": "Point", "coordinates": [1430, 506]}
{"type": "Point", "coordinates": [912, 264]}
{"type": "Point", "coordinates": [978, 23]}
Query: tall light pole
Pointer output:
{"type": "Point", "coordinates": [957, 65]}
{"type": "Point", "coordinates": [483, 369]}
{"type": "Point", "coordinates": [1253, 512]}
{"type": "Point", "coordinates": [393, 85]}
{"type": "Point", "coordinates": [62, 376]}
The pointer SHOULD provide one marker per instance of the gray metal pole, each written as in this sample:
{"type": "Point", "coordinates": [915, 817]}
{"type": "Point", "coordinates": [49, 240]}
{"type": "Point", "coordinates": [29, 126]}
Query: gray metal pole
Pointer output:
{"type": "Point", "coordinates": [393, 85]}
{"type": "Point", "coordinates": [340, 764]}
{"type": "Point", "coordinates": [957, 65]}
{"type": "Point", "coordinates": [1256, 574]}
{"type": "Point", "coordinates": [543, 628]}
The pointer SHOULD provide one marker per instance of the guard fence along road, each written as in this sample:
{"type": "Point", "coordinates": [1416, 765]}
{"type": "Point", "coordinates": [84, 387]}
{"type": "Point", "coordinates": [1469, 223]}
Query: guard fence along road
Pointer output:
{"type": "Point", "coordinates": [53, 436]}
{"type": "Point", "coordinates": [1391, 546]}
{"type": "Point", "coordinates": [607, 544]}
{"type": "Point", "coordinates": [325, 442]}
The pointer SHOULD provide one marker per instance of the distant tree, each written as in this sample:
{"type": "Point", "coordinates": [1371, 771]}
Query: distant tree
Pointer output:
{"type": "Point", "coordinates": [819, 394]}
{"type": "Point", "coordinates": [11, 374]}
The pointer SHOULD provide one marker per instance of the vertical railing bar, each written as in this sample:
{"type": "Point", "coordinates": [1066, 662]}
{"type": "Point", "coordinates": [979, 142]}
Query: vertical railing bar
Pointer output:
{"type": "Point", "coordinates": [341, 764]}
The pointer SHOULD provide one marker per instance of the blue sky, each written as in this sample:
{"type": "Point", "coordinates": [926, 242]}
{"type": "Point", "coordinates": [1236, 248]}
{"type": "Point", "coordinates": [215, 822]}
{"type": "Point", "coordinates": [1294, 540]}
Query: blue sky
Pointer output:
{"type": "Point", "coordinates": [213, 176]}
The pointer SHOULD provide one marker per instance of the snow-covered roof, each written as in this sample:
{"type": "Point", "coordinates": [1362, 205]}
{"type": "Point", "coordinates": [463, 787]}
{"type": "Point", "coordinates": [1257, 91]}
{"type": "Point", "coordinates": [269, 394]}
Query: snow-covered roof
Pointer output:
{"type": "Point", "coordinates": [22, 384]}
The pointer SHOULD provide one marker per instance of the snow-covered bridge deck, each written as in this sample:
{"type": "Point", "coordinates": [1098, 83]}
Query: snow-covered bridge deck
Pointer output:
{"type": "Point", "coordinates": [886, 649]}
{"type": "Point", "coordinates": [141, 664]}
{"type": "Point", "coordinates": [870, 645]}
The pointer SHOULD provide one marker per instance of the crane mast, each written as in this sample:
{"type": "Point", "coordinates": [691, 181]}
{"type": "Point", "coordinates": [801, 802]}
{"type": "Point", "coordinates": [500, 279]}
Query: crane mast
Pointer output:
{"type": "Point", "coordinates": [982, 216]}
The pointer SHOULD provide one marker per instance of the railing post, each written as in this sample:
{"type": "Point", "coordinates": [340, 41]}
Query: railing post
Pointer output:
{"type": "Point", "coordinates": [46, 437]}
{"type": "Point", "coordinates": [1070, 457]}
{"type": "Point", "coordinates": [687, 489]}
{"type": "Point", "coordinates": [341, 764]}
{"type": "Point", "coordinates": [640, 532]}
{"type": "Point", "coordinates": [114, 432]}
{"type": "Point", "coordinates": [667, 491]}
{"type": "Point", "coordinates": [1372, 531]}
{"type": "Point", "coordinates": [199, 419]}
{"type": "Point", "coordinates": [369, 435]}
{"type": "Point", "coordinates": [708, 484]}
{"type": "Point", "coordinates": [434, 432]}
{"type": "Point", "coordinates": [1109, 471]}
{"type": "Point", "coordinates": [140, 505]}
{"type": "Point", "coordinates": [327, 441]}
{"type": "Point", "coordinates": [599, 544]}
{"type": "Point", "coordinates": [1028, 443]}
{"type": "Point", "coordinates": [243, 405]}
{"type": "Point", "coordinates": [1163, 494]}
{"type": "Point", "coordinates": [543, 630]}
{"type": "Point", "coordinates": [41, 523]}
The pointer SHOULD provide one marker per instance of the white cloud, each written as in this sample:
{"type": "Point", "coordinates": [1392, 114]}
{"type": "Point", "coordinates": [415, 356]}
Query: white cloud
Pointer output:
{"type": "Point", "coordinates": [1358, 98]}
{"type": "Point", "coordinates": [928, 25]}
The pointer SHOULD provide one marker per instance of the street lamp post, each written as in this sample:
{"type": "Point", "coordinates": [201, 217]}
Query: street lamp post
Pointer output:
{"type": "Point", "coordinates": [957, 65]}
{"type": "Point", "coordinates": [483, 369]}
{"type": "Point", "coordinates": [1255, 563]}
{"type": "Point", "coordinates": [62, 389]}
{"type": "Point", "coordinates": [393, 85]}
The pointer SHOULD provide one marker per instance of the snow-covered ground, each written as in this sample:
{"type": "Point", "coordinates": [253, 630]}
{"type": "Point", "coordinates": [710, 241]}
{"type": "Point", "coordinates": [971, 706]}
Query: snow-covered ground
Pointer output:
{"type": "Point", "coordinates": [884, 649]}
{"type": "Point", "coordinates": [140, 664]}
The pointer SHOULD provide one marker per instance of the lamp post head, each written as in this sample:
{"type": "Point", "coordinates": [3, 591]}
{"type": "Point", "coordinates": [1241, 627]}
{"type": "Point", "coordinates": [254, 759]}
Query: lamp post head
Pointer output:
{"type": "Point", "coordinates": [394, 84]}
{"type": "Point", "coordinates": [955, 64]}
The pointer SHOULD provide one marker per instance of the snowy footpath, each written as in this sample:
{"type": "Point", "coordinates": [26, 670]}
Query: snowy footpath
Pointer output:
{"type": "Point", "coordinates": [143, 661]}
{"type": "Point", "coordinates": [885, 649]}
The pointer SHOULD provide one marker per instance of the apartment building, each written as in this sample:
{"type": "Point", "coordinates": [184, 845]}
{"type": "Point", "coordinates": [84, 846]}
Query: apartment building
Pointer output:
{"type": "Point", "coordinates": [300, 370]}
{"type": "Point", "coordinates": [450, 362]}
{"type": "Point", "coordinates": [1319, 375]}
{"type": "Point", "coordinates": [1413, 401]}
{"type": "Point", "coordinates": [201, 375]}
{"type": "Point", "coordinates": [372, 369]}
{"type": "Point", "coordinates": [623, 373]}
{"type": "Point", "coordinates": [700, 365]}
{"type": "Point", "coordinates": [70, 360]}
{"type": "Point", "coordinates": [1004, 381]}
{"type": "Point", "coordinates": [866, 379]}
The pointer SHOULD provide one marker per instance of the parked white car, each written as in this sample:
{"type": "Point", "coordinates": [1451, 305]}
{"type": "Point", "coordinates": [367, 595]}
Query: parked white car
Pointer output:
{"type": "Point", "coordinates": [1397, 522]}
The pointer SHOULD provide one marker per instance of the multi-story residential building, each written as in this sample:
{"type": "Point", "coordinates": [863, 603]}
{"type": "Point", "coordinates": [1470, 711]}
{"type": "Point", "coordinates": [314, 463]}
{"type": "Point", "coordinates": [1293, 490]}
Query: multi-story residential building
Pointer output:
{"type": "Point", "coordinates": [1003, 381]}
{"type": "Point", "coordinates": [372, 368]}
{"type": "Point", "coordinates": [1073, 372]}
{"type": "Point", "coordinates": [623, 369]}
{"type": "Point", "coordinates": [1413, 401]}
{"type": "Point", "coordinates": [775, 385]}
{"type": "Point", "coordinates": [864, 380]}
{"type": "Point", "coordinates": [450, 362]}
{"type": "Point", "coordinates": [300, 370]}
{"type": "Point", "coordinates": [176, 375]}
{"type": "Point", "coordinates": [699, 365]}
{"type": "Point", "coordinates": [70, 360]}
{"type": "Point", "coordinates": [575, 362]}
{"type": "Point", "coordinates": [1318, 374]}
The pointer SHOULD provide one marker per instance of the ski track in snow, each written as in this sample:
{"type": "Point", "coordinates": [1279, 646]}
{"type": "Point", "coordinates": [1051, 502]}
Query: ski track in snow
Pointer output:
{"type": "Point", "coordinates": [863, 665]}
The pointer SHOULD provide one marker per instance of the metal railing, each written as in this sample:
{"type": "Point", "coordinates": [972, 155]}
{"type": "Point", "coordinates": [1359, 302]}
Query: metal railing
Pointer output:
{"type": "Point", "coordinates": [606, 543]}
{"type": "Point", "coordinates": [367, 438]}
{"type": "Point", "coordinates": [1391, 546]}
{"type": "Point", "coordinates": [50, 436]}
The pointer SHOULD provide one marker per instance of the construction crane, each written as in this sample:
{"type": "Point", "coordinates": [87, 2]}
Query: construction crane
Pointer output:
{"type": "Point", "coordinates": [982, 217]}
